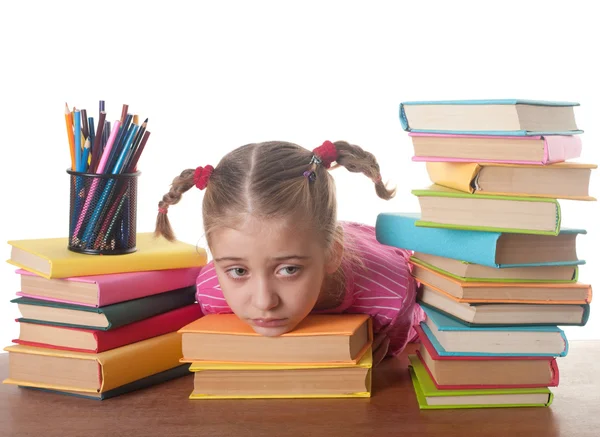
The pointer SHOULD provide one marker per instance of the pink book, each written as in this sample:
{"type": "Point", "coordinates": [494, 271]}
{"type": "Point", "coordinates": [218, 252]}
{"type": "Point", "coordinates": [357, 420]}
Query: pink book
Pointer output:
{"type": "Point", "coordinates": [102, 290]}
{"type": "Point", "coordinates": [435, 356]}
{"type": "Point", "coordinates": [556, 148]}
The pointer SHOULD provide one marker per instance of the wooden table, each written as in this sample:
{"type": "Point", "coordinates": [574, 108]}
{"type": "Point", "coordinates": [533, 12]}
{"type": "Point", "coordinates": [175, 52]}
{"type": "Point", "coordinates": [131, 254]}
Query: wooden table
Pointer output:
{"type": "Point", "coordinates": [165, 410]}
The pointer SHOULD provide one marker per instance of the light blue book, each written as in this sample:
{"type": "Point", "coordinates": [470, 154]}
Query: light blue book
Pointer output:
{"type": "Point", "coordinates": [516, 117]}
{"type": "Point", "coordinates": [477, 247]}
{"type": "Point", "coordinates": [452, 338]}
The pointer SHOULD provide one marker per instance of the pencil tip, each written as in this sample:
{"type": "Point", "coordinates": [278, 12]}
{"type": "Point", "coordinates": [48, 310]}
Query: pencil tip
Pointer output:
{"type": "Point", "coordinates": [146, 120]}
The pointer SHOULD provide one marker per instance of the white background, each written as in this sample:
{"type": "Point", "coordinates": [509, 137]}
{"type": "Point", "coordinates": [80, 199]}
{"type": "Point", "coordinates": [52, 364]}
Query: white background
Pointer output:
{"type": "Point", "coordinates": [212, 76]}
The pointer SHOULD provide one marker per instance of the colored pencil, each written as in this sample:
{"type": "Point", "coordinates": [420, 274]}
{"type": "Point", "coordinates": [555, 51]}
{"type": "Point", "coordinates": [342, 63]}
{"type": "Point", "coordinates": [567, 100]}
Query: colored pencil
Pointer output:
{"type": "Point", "coordinates": [69, 124]}
{"type": "Point", "coordinates": [77, 134]}
{"type": "Point", "coordinates": [97, 149]}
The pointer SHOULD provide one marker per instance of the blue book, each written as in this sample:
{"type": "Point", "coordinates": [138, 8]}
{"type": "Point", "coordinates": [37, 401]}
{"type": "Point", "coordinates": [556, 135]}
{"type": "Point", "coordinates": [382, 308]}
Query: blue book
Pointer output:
{"type": "Point", "coordinates": [492, 249]}
{"type": "Point", "coordinates": [452, 338]}
{"type": "Point", "coordinates": [514, 117]}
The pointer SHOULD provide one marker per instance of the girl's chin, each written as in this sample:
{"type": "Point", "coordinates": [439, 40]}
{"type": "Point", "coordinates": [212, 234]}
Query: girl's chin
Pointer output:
{"type": "Point", "coordinates": [272, 331]}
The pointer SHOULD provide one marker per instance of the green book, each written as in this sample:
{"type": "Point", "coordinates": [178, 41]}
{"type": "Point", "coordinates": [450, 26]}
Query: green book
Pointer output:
{"type": "Point", "coordinates": [103, 318]}
{"type": "Point", "coordinates": [443, 207]}
{"type": "Point", "coordinates": [430, 397]}
{"type": "Point", "coordinates": [459, 269]}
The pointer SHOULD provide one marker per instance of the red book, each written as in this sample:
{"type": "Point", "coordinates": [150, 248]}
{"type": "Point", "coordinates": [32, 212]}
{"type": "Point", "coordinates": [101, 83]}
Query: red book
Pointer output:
{"type": "Point", "coordinates": [489, 371]}
{"type": "Point", "coordinates": [95, 341]}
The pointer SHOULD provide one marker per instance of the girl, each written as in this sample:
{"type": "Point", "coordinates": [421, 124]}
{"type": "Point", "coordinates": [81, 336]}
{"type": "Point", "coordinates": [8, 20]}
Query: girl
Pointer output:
{"type": "Point", "coordinates": [278, 251]}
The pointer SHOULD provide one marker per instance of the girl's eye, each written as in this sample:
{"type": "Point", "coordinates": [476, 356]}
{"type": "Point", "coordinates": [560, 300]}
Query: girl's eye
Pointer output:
{"type": "Point", "coordinates": [237, 272]}
{"type": "Point", "coordinates": [289, 270]}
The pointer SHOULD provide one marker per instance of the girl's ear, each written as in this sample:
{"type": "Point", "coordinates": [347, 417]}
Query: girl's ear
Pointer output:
{"type": "Point", "coordinates": [335, 257]}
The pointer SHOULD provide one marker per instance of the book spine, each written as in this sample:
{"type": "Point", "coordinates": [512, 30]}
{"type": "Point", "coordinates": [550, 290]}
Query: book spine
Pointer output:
{"type": "Point", "coordinates": [148, 328]}
{"type": "Point", "coordinates": [129, 286]}
{"type": "Point", "coordinates": [124, 313]}
{"type": "Point", "coordinates": [463, 245]}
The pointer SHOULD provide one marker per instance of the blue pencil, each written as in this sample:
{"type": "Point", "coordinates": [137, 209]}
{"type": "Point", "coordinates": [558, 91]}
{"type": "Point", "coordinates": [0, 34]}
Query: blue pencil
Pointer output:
{"type": "Point", "coordinates": [77, 133]}
{"type": "Point", "coordinates": [108, 189]}
{"type": "Point", "coordinates": [78, 180]}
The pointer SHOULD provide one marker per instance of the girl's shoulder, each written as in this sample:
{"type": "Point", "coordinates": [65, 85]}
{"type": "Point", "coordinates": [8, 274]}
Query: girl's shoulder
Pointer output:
{"type": "Point", "coordinates": [362, 240]}
{"type": "Point", "coordinates": [207, 278]}
{"type": "Point", "coordinates": [370, 260]}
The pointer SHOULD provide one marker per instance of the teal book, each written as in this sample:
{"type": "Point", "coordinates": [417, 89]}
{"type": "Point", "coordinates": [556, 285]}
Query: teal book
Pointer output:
{"type": "Point", "coordinates": [516, 117]}
{"type": "Point", "coordinates": [487, 248]}
{"type": "Point", "coordinates": [430, 397]}
{"type": "Point", "coordinates": [149, 381]}
{"type": "Point", "coordinates": [453, 338]}
{"type": "Point", "coordinates": [103, 318]}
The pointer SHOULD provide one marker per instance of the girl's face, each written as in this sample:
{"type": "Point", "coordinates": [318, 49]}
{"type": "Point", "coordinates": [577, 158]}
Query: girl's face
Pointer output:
{"type": "Point", "coordinates": [271, 272]}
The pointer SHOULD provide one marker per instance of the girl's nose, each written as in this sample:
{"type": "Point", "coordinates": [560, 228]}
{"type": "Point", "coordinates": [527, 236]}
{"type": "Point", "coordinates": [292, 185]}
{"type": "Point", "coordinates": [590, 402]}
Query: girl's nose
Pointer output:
{"type": "Point", "coordinates": [264, 296]}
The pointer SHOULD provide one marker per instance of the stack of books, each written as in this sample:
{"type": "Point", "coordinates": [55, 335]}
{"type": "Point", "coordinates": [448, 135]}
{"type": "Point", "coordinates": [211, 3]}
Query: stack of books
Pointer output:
{"type": "Point", "coordinates": [498, 273]}
{"type": "Point", "coordinates": [325, 356]}
{"type": "Point", "coordinates": [97, 326]}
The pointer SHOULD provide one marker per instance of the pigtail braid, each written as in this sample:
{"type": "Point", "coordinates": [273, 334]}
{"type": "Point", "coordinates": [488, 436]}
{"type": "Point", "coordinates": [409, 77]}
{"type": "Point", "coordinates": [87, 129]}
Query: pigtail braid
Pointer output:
{"type": "Point", "coordinates": [357, 160]}
{"type": "Point", "coordinates": [180, 185]}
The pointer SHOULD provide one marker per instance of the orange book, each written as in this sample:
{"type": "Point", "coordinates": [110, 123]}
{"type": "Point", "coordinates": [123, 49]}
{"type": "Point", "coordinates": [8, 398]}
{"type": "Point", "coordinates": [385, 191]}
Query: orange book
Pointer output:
{"type": "Point", "coordinates": [319, 338]}
{"type": "Point", "coordinates": [81, 372]}
{"type": "Point", "coordinates": [502, 292]}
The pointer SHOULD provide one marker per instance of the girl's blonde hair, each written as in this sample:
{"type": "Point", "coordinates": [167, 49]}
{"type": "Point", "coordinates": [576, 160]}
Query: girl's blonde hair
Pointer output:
{"type": "Point", "coordinates": [268, 181]}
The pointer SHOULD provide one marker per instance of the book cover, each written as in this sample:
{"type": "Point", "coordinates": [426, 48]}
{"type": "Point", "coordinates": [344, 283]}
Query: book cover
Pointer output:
{"type": "Point", "coordinates": [463, 177]}
{"type": "Point", "coordinates": [117, 367]}
{"type": "Point", "coordinates": [432, 351]}
{"type": "Point", "coordinates": [144, 329]}
{"type": "Point", "coordinates": [437, 351]}
{"type": "Point", "coordinates": [50, 258]}
{"type": "Point", "coordinates": [119, 314]}
{"type": "Point", "coordinates": [439, 191]}
{"type": "Point", "coordinates": [416, 260]}
{"type": "Point", "coordinates": [366, 361]}
{"type": "Point", "coordinates": [476, 398]}
{"type": "Point", "coordinates": [314, 325]}
{"type": "Point", "coordinates": [557, 148]}
{"type": "Point", "coordinates": [405, 121]}
{"type": "Point", "coordinates": [445, 323]}
{"type": "Point", "coordinates": [140, 384]}
{"type": "Point", "coordinates": [504, 289]}
{"type": "Point", "coordinates": [585, 314]}
{"type": "Point", "coordinates": [116, 287]}
{"type": "Point", "coordinates": [478, 247]}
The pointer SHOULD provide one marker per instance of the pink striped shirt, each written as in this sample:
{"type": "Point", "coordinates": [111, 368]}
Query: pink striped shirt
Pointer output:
{"type": "Point", "coordinates": [384, 288]}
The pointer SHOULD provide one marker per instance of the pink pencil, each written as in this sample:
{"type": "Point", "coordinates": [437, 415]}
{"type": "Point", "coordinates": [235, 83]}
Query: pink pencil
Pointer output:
{"type": "Point", "coordinates": [99, 170]}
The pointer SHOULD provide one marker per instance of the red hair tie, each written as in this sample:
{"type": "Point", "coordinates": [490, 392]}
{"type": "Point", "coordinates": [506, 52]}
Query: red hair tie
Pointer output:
{"type": "Point", "coordinates": [325, 154]}
{"type": "Point", "coordinates": [201, 176]}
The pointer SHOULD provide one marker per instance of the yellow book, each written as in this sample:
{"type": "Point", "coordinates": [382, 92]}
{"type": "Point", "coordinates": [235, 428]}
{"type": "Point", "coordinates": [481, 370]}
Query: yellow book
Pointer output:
{"type": "Point", "coordinates": [92, 373]}
{"type": "Point", "coordinates": [260, 380]}
{"type": "Point", "coordinates": [50, 258]}
{"type": "Point", "coordinates": [564, 180]}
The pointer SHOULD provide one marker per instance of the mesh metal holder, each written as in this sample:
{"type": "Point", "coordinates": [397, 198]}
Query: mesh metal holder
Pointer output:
{"type": "Point", "coordinates": [103, 213]}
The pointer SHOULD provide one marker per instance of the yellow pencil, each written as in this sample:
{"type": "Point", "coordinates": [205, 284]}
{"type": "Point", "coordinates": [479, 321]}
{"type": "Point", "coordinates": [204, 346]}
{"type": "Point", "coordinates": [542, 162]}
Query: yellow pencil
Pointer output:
{"type": "Point", "coordinates": [69, 122]}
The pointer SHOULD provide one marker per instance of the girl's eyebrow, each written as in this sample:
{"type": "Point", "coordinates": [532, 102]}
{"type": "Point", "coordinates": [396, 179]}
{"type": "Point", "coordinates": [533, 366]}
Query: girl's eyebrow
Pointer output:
{"type": "Point", "coordinates": [229, 258]}
{"type": "Point", "coordinates": [288, 257]}
{"type": "Point", "coordinates": [277, 258]}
